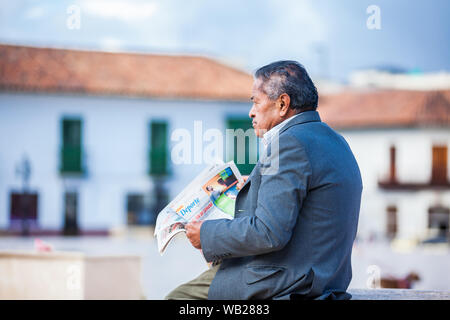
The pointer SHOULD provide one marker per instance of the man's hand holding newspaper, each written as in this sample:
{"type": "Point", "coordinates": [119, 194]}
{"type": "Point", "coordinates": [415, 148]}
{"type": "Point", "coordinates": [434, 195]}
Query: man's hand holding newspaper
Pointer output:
{"type": "Point", "coordinates": [211, 195]}
{"type": "Point", "coordinates": [193, 233]}
{"type": "Point", "coordinates": [193, 228]}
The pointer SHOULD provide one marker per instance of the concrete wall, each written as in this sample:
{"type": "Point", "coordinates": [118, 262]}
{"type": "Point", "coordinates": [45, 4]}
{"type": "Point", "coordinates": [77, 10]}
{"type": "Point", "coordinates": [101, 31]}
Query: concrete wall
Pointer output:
{"type": "Point", "coordinates": [68, 275]}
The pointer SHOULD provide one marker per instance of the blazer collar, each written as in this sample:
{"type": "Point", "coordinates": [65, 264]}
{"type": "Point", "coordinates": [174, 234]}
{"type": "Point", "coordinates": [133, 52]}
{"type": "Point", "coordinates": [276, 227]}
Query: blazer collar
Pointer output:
{"type": "Point", "coordinates": [303, 117]}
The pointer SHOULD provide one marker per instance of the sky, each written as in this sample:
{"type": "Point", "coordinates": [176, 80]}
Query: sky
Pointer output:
{"type": "Point", "coordinates": [330, 38]}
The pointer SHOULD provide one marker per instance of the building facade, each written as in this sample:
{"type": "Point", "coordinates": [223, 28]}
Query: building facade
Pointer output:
{"type": "Point", "coordinates": [91, 154]}
{"type": "Point", "coordinates": [400, 140]}
{"type": "Point", "coordinates": [89, 141]}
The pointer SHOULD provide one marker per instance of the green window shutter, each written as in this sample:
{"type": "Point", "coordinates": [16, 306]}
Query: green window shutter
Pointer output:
{"type": "Point", "coordinates": [243, 154]}
{"type": "Point", "coordinates": [158, 148]}
{"type": "Point", "coordinates": [71, 151]}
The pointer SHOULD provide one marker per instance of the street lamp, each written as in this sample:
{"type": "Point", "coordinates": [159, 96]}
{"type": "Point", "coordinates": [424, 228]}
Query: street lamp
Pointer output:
{"type": "Point", "coordinates": [23, 170]}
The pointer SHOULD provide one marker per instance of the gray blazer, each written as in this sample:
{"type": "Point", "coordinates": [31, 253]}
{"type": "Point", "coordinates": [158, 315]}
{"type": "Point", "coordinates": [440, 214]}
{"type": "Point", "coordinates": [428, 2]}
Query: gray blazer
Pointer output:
{"type": "Point", "coordinates": [293, 232]}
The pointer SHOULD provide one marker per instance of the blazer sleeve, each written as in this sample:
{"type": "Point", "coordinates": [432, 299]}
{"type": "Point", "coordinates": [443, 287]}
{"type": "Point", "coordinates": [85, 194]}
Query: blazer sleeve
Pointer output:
{"type": "Point", "coordinates": [270, 226]}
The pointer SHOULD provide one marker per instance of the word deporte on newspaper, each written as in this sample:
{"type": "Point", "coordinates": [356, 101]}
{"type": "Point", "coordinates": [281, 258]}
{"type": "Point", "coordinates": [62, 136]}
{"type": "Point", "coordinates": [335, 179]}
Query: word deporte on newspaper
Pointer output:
{"type": "Point", "coordinates": [183, 211]}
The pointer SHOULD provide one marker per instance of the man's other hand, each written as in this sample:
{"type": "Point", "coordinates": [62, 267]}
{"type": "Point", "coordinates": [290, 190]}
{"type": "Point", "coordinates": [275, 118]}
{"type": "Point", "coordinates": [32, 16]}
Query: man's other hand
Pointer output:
{"type": "Point", "coordinates": [193, 233]}
{"type": "Point", "coordinates": [241, 184]}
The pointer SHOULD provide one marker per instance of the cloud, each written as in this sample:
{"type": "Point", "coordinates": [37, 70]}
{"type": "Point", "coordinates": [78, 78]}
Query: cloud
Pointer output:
{"type": "Point", "coordinates": [110, 44]}
{"type": "Point", "coordinates": [35, 13]}
{"type": "Point", "coordinates": [119, 9]}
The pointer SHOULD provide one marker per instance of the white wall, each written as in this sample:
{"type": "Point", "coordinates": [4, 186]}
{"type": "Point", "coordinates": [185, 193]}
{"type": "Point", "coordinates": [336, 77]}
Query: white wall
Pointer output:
{"type": "Point", "coordinates": [115, 140]}
{"type": "Point", "coordinates": [413, 163]}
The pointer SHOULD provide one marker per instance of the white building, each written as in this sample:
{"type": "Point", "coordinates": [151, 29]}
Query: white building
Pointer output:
{"type": "Point", "coordinates": [96, 130]}
{"type": "Point", "coordinates": [400, 81]}
{"type": "Point", "coordinates": [400, 140]}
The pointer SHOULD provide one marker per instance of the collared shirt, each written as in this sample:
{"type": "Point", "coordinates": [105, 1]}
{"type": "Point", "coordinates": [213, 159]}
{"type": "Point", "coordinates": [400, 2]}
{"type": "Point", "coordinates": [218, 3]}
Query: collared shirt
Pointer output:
{"type": "Point", "coordinates": [267, 137]}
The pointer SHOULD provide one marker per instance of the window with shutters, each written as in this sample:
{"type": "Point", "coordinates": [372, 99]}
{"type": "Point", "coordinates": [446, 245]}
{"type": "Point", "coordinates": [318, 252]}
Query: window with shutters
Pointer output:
{"type": "Point", "coordinates": [391, 221]}
{"type": "Point", "coordinates": [23, 206]}
{"type": "Point", "coordinates": [439, 166]}
{"type": "Point", "coordinates": [439, 221]}
{"type": "Point", "coordinates": [439, 173]}
{"type": "Point", "coordinates": [159, 148]}
{"type": "Point", "coordinates": [71, 150]}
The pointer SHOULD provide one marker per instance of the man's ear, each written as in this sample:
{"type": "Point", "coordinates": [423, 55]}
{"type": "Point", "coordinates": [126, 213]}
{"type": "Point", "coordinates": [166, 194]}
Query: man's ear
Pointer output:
{"type": "Point", "coordinates": [284, 102]}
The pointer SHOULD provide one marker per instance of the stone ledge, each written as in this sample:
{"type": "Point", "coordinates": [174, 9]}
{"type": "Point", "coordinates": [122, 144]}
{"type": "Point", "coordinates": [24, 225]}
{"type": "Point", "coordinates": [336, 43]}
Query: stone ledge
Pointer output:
{"type": "Point", "coordinates": [69, 275]}
{"type": "Point", "coordinates": [398, 294]}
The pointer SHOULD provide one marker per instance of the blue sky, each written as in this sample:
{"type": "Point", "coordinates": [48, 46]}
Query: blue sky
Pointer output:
{"type": "Point", "coordinates": [414, 34]}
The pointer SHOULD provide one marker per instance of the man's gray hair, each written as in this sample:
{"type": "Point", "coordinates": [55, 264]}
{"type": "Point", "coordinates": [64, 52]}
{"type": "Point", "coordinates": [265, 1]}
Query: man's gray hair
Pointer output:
{"type": "Point", "coordinates": [289, 77]}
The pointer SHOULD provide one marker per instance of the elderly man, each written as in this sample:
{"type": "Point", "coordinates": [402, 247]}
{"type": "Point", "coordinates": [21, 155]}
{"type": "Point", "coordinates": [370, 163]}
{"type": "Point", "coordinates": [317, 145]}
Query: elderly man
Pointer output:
{"type": "Point", "coordinates": [294, 226]}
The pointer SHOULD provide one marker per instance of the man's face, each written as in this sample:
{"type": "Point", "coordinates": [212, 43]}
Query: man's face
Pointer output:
{"type": "Point", "coordinates": [263, 112]}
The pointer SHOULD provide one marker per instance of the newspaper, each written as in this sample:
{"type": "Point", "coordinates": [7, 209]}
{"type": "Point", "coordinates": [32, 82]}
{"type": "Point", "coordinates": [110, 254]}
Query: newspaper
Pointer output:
{"type": "Point", "coordinates": [211, 195]}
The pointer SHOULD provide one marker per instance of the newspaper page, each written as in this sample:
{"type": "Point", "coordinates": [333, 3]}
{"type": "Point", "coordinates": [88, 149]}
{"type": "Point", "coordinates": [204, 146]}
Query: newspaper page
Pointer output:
{"type": "Point", "coordinates": [211, 195]}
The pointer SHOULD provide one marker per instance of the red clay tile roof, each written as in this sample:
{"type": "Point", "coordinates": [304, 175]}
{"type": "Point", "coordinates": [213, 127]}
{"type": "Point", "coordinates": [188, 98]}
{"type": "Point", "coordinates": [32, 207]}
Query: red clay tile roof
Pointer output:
{"type": "Point", "coordinates": [163, 76]}
{"type": "Point", "coordinates": [387, 108]}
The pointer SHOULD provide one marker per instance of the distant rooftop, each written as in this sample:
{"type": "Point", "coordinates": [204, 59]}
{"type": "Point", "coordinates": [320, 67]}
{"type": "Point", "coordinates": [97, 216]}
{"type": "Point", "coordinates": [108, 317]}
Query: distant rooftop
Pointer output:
{"type": "Point", "coordinates": [413, 80]}
{"type": "Point", "coordinates": [32, 69]}
{"type": "Point", "coordinates": [386, 109]}
{"type": "Point", "coordinates": [93, 72]}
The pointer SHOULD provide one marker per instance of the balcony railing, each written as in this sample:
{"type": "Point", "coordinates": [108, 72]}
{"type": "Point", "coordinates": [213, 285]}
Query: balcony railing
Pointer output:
{"type": "Point", "coordinates": [390, 184]}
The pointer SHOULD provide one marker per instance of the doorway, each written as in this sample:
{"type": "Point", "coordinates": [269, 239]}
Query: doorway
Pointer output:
{"type": "Point", "coordinates": [71, 213]}
{"type": "Point", "coordinates": [438, 221]}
